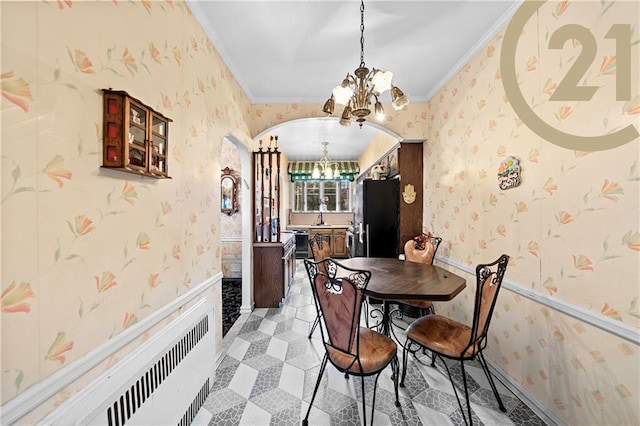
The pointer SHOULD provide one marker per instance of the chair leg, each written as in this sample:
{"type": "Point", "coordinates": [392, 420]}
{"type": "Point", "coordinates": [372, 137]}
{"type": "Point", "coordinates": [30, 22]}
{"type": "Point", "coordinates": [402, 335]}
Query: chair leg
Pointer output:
{"type": "Point", "coordinates": [405, 350]}
{"type": "Point", "coordinates": [393, 325]}
{"type": "Point", "coordinates": [315, 324]}
{"type": "Point", "coordinates": [364, 406]}
{"type": "Point", "coordinates": [305, 422]}
{"type": "Point", "coordinates": [455, 391]}
{"type": "Point", "coordinates": [395, 366]}
{"type": "Point", "coordinates": [485, 367]}
{"type": "Point", "coordinates": [466, 392]}
{"type": "Point", "coordinates": [423, 312]}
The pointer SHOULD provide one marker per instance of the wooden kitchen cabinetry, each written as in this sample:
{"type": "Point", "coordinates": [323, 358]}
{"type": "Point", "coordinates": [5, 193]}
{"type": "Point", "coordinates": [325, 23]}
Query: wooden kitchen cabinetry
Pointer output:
{"type": "Point", "coordinates": [338, 240]}
{"type": "Point", "coordinates": [274, 265]}
{"type": "Point", "coordinates": [135, 137]}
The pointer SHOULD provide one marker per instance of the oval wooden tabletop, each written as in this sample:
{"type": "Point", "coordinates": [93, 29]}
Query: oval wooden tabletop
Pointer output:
{"type": "Point", "coordinates": [398, 279]}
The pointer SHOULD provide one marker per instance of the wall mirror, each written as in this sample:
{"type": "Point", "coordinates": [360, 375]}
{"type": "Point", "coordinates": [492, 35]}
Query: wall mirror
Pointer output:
{"type": "Point", "coordinates": [229, 192]}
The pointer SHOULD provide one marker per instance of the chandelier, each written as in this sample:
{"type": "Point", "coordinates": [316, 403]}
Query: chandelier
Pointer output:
{"type": "Point", "coordinates": [325, 169]}
{"type": "Point", "coordinates": [358, 92]}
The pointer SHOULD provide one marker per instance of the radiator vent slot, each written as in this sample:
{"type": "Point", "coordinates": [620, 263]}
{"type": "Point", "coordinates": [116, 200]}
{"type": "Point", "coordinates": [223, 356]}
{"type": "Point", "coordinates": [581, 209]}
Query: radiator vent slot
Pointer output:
{"type": "Point", "coordinates": [193, 409]}
{"type": "Point", "coordinates": [128, 403]}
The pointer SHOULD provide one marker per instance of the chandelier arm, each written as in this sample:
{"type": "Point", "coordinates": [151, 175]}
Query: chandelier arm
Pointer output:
{"type": "Point", "coordinates": [369, 84]}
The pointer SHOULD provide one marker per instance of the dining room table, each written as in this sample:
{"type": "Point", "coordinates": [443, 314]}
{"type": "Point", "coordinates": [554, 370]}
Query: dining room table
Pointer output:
{"type": "Point", "coordinates": [394, 279]}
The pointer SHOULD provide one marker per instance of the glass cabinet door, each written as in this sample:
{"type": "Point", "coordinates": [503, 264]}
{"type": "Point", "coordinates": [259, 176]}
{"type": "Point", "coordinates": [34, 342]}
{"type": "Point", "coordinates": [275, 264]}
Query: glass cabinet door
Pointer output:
{"type": "Point", "coordinates": [137, 137]}
{"type": "Point", "coordinates": [158, 145]}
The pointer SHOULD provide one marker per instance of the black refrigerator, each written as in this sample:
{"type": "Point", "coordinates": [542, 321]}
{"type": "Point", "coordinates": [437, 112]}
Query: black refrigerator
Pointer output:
{"type": "Point", "coordinates": [376, 216]}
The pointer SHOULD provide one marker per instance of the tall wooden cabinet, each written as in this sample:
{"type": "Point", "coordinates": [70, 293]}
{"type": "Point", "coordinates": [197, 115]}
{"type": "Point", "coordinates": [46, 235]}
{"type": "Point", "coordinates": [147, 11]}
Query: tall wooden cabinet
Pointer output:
{"type": "Point", "coordinates": [411, 177]}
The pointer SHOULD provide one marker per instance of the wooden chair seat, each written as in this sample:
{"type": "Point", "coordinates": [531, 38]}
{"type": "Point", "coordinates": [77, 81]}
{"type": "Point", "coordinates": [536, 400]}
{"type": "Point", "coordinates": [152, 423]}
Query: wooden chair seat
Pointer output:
{"type": "Point", "coordinates": [443, 335]}
{"type": "Point", "coordinates": [376, 352]}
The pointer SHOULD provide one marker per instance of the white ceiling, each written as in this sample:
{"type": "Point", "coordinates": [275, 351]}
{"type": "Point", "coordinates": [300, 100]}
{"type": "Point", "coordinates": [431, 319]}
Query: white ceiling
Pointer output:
{"type": "Point", "coordinates": [297, 51]}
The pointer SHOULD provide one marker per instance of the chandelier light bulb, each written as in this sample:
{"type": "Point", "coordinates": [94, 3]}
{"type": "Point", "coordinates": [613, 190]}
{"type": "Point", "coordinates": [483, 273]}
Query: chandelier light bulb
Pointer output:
{"type": "Point", "coordinates": [398, 99]}
{"type": "Point", "coordinates": [343, 92]}
{"type": "Point", "coordinates": [379, 111]}
{"type": "Point", "coordinates": [345, 120]}
{"type": "Point", "coordinates": [329, 106]}
{"type": "Point", "coordinates": [381, 81]}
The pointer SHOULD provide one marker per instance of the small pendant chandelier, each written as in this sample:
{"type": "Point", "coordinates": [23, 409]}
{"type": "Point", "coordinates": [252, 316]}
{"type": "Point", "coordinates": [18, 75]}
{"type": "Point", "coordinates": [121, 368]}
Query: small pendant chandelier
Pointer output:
{"type": "Point", "coordinates": [359, 92]}
{"type": "Point", "coordinates": [325, 169]}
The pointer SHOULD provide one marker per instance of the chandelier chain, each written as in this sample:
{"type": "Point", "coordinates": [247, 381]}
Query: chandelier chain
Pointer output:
{"type": "Point", "coordinates": [362, 33]}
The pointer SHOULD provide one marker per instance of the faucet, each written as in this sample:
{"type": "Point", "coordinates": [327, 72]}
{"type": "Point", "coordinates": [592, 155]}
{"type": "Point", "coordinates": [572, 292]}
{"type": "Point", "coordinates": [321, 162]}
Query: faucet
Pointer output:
{"type": "Point", "coordinates": [320, 221]}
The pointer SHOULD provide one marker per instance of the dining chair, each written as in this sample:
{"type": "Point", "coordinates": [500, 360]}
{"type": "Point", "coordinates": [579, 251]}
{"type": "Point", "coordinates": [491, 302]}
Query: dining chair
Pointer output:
{"type": "Point", "coordinates": [420, 249]}
{"type": "Point", "coordinates": [352, 349]}
{"type": "Point", "coordinates": [448, 338]}
{"type": "Point", "coordinates": [320, 246]}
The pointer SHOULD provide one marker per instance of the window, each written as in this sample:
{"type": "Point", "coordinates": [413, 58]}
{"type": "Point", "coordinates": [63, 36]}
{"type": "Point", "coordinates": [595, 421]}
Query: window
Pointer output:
{"type": "Point", "coordinates": [308, 194]}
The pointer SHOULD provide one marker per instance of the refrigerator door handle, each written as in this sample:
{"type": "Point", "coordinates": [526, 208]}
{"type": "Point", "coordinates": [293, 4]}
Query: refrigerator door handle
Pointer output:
{"type": "Point", "coordinates": [367, 235]}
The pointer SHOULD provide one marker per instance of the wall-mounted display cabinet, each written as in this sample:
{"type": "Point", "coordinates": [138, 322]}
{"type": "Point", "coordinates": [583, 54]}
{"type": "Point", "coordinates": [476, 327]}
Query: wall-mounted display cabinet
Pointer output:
{"type": "Point", "coordinates": [135, 137]}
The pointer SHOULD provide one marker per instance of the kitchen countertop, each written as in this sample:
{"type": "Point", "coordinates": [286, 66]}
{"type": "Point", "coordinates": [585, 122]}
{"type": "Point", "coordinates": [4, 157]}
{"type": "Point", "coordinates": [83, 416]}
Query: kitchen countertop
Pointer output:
{"type": "Point", "coordinates": [307, 227]}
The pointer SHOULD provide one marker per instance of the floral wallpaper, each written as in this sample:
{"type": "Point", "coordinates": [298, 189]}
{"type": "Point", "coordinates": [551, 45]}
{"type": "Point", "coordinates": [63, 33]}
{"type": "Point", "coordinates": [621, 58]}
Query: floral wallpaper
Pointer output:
{"type": "Point", "coordinates": [410, 122]}
{"type": "Point", "coordinates": [379, 146]}
{"type": "Point", "coordinates": [88, 252]}
{"type": "Point", "coordinates": [571, 227]}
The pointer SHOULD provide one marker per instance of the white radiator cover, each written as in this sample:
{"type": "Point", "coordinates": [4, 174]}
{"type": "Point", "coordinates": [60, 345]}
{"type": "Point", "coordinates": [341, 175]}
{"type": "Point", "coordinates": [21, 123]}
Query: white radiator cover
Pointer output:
{"type": "Point", "coordinates": [164, 381]}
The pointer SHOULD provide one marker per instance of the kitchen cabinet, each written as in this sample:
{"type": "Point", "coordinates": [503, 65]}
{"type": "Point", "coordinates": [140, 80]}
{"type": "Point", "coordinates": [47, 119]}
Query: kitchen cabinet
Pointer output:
{"type": "Point", "coordinates": [338, 241]}
{"type": "Point", "coordinates": [274, 265]}
{"type": "Point", "coordinates": [135, 137]}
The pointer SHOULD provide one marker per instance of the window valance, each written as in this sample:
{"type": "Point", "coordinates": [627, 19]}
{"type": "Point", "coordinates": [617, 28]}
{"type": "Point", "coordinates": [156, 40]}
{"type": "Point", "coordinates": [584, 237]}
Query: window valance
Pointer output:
{"type": "Point", "coordinates": [302, 170]}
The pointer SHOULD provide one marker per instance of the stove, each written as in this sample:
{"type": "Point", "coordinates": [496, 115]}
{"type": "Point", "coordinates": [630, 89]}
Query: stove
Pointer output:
{"type": "Point", "coordinates": [302, 244]}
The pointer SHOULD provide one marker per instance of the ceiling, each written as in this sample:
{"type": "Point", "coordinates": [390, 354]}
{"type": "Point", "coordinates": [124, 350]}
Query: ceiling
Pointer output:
{"type": "Point", "coordinates": [297, 51]}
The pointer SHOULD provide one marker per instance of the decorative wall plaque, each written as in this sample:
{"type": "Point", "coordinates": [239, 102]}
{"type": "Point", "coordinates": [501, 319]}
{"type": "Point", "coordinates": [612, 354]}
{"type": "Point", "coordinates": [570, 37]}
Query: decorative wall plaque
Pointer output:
{"type": "Point", "coordinates": [509, 173]}
{"type": "Point", "coordinates": [409, 194]}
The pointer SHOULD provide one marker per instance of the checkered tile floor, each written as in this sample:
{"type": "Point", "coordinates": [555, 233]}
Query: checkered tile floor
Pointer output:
{"type": "Point", "coordinates": [270, 368]}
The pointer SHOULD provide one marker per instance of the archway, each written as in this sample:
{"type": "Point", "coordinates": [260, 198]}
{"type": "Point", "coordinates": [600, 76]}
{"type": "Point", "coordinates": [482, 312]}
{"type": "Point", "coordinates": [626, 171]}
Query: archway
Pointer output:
{"type": "Point", "coordinates": [245, 212]}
